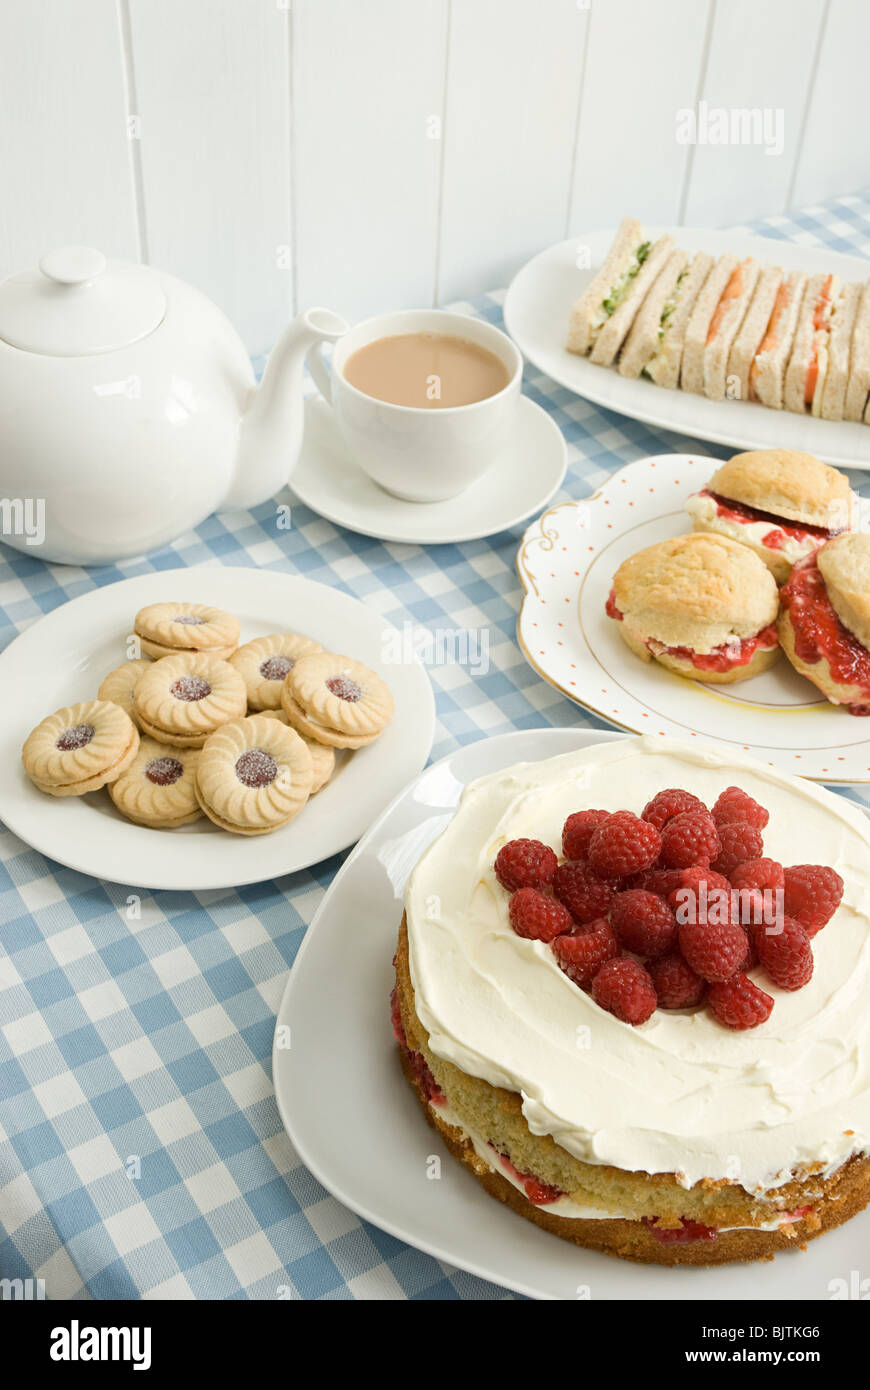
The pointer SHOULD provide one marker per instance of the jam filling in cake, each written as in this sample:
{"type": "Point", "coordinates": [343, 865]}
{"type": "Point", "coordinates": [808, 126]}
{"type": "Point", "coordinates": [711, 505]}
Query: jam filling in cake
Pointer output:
{"type": "Point", "coordinates": [819, 634]}
{"type": "Point", "coordinates": [629, 997]}
{"type": "Point", "coordinates": [725, 658]}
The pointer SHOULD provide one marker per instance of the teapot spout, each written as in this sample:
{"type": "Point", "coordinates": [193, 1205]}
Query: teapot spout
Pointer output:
{"type": "Point", "coordinates": [271, 429]}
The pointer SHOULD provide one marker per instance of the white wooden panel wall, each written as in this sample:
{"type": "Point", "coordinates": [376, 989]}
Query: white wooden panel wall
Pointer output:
{"type": "Point", "coordinates": [368, 90]}
{"type": "Point", "coordinates": [211, 89]}
{"type": "Point", "coordinates": [374, 153]}
{"type": "Point", "coordinates": [65, 170]}
{"type": "Point", "coordinates": [743, 73]}
{"type": "Point", "coordinates": [835, 156]}
{"type": "Point", "coordinates": [514, 80]}
{"type": "Point", "coordinates": [643, 64]}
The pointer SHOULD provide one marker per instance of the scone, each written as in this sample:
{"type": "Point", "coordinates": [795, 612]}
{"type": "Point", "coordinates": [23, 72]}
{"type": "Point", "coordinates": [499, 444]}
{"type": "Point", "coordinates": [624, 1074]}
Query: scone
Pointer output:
{"type": "Point", "coordinates": [781, 503]}
{"type": "Point", "coordinates": [701, 605]}
{"type": "Point", "coordinates": [824, 624]}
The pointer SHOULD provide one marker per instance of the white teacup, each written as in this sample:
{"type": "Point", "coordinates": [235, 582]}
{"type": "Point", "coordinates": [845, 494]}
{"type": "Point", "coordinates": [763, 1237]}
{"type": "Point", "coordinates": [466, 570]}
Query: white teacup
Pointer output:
{"type": "Point", "coordinates": [421, 454]}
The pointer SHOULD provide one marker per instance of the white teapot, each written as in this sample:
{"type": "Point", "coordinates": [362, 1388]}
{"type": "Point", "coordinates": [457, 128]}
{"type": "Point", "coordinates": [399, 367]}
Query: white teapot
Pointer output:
{"type": "Point", "coordinates": [129, 410]}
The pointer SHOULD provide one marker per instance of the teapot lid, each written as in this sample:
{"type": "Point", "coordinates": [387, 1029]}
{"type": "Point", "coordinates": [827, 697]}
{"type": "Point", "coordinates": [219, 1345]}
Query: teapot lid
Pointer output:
{"type": "Point", "coordinates": [77, 303]}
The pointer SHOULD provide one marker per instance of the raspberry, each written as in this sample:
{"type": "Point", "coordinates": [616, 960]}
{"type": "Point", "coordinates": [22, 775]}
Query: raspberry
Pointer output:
{"type": "Point", "coordinates": [525, 864]}
{"type": "Point", "coordinates": [690, 838]}
{"type": "Point", "coordinates": [703, 896]}
{"type": "Point", "coordinates": [536, 916]}
{"type": "Point", "coordinates": [623, 844]}
{"type": "Point", "coordinates": [751, 957]}
{"type": "Point", "coordinates": [812, 895]}
{"type": "Point", "coordinates": [583, 951]}
{"type": "Point", "coordinates": [758, 873]}
{"type": "Point", "coordinates": [643, 923]}
{"type": "Point", "coordinates": [786, 955]}
{"type": "Point", "coordinates": [735, 804]}
{"type": "Point", "coordinates": [675, 983]}
{"type": "Point", "coordinates": [577, 832]}
{"type": "Point", "coordinates": [714, 950]}
{"type": "Point", "coordinates": [661, 881]}
{"type": "Point", "coordinates": [669, 803]}
{"type": "Point", "coordinates": [624, 989]}
{"type": "Point", "coordinates": [740, 841]}
{"type": "Point", "coordinates": [739, 1003]}
{"type": "Point", "coordinates": [584, 895]}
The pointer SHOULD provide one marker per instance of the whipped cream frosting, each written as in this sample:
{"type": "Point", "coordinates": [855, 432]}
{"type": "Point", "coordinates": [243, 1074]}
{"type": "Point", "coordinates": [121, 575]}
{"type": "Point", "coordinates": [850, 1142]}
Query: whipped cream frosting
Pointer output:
{"type": "Point", "coordinates": [680, 1093]}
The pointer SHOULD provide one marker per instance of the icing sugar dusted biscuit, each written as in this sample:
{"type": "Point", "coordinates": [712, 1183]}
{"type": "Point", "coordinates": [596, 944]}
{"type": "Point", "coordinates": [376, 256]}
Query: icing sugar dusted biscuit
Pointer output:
{"type": "Point", "coordinates": [157, 789]}
{"type": "Point", "coordinates": [180, 700]}
{"type": "Point", "coordinates": [80, 748]}
{"type": "Point", "coordinates": [322, 756]}
{"type": "Point", "coordinates": [264, 663]}
{"type": "Point", "coordinates": [118, 685]}
{"type": "Point", "coordinates": [167, 628]}
{"type": "Point", "coordinates": [254, 775]}
{"type": "Point", "coordinates": [336, 700]}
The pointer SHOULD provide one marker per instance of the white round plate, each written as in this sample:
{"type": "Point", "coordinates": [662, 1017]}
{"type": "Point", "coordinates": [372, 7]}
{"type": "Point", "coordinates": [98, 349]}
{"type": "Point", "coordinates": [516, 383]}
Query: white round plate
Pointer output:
{"type": "Point", "coordinates": [63, 658]}
{"type": "Point", "coordinates": [328, 481]}
{"type": "Point", "coordinates": [538, 306]}
{"type": "Point", "coordinates": [566, 565]}
{"type": "Point", "coordinates": [353, 1119]}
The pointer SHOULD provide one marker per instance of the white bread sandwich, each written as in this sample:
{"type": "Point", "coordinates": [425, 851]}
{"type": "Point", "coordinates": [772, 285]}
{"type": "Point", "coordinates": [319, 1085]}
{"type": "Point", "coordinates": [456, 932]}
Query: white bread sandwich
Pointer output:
{"type": "Point", "coordinates": [725, 324]}
{"type": "Point", "coordinates": [648, 328]}
{"type": "Point", "coordinates": [808, 364]}
{"type": "Point", "coordinates": [664, 367]}
{"type": "Point", "coordinates": [602, 316]}
{"type": "Point", "coordinates": [767, 372]}
{"type": "Point", "coordinates": [752, 331]}
{"type": "Point", "coordinates": [840, 352]}
{"type": "Point", "coordinates": [858, 389]}
{"type": "Point", "coordinates": [692, 373]}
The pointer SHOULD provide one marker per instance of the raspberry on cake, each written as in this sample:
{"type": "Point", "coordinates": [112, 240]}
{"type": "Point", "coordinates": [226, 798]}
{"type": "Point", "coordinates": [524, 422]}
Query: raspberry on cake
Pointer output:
{"type": "Point", "coordinates": [781, 503]}
{"type": "Point", "coordinates": [824, 622]}
{"type": "Point", "coordinates": [701, 605]}
{"type": "Point", "coordinates": [597, 1070]}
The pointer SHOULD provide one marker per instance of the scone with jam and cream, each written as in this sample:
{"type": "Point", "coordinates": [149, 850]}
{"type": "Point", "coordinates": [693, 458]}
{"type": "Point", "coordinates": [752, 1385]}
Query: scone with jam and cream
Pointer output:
{"type": "Point", "coordinates": [781, 503]}
{"type": "Point", "coordinates": [824, 623]}
{"type": "Point", "coordinates": [701, 605]}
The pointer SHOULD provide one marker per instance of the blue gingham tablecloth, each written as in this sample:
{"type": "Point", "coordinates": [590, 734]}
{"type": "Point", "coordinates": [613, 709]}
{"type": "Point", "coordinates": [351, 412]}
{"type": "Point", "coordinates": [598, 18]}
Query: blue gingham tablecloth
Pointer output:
{"type": "Point", "coordinates": [141, 1153]}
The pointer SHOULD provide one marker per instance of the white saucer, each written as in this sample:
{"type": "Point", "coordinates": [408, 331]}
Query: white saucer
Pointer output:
{"type": "Point", "coordinates": [330, 483]}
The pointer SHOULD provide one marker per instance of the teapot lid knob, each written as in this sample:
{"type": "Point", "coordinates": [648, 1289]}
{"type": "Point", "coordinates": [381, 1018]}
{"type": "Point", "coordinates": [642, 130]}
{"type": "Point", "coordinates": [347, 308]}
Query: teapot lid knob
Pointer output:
{"type": "Point", "coordinates": [79, 303]}
{"type": "Point", "coordinates": [73, 265]}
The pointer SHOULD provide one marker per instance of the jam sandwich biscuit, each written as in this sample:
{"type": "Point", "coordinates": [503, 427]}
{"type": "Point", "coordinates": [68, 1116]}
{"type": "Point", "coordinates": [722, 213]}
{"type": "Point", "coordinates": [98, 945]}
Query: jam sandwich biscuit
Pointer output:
{"type": "Point", "coordinates": [80, 748]}
{"type": "Point", "coordinates": [337, 701]}
{"type": "Point", "coordinates": [157, 788]}
{"type": "Point", "coordinates": [781, 503]}
{"type": "Point", "coordinates": [322, 756]}
{"type": "Point", "coordinates": [182, 699]}
{"type": "Point", "coordinates": [165, 629]}
{"type": "Point", "coordinates": [118, 685]}
{"type": "Point", "coordinates": [254, 775]}
{"type": "Point", "coordinates": [264, 663]}
{"type": "Point", "coordinates": [701, 605]}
